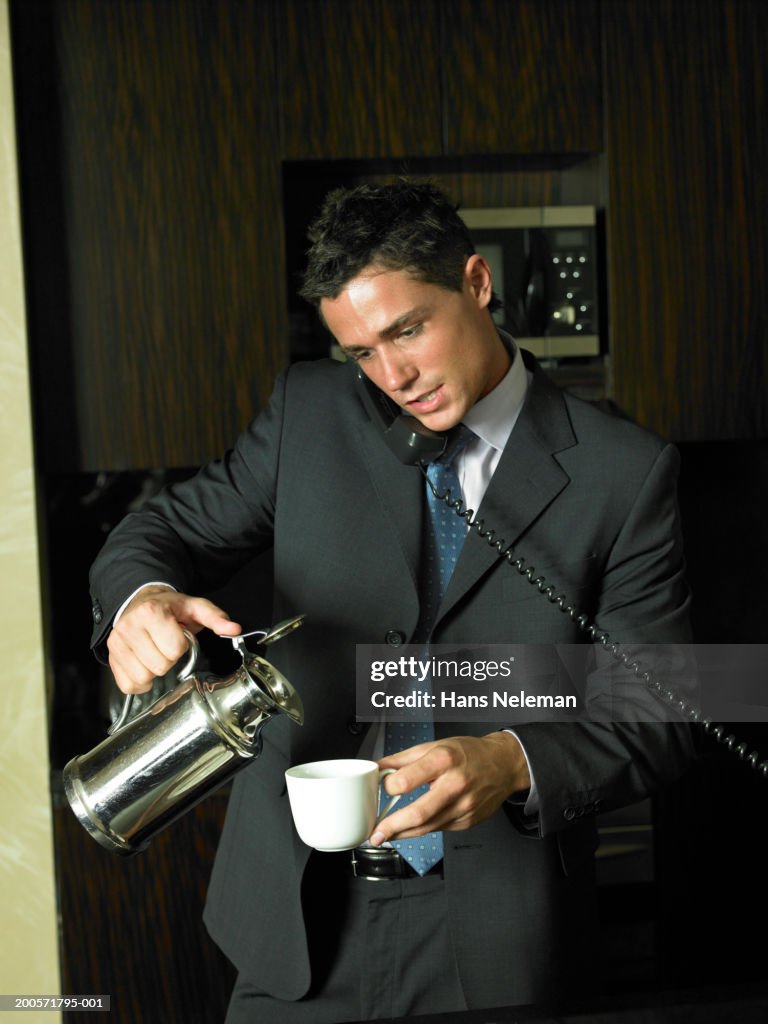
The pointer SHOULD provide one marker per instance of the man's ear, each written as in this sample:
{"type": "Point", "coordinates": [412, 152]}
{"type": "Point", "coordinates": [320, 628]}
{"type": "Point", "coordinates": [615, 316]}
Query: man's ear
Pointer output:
{"type": "Point", "coordinates": [479, 278]}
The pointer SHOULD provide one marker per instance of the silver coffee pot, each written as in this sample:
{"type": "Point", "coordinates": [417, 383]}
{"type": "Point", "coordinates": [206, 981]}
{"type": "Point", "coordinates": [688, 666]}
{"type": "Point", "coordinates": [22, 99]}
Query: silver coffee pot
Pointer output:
{"type": "Point", "coordinates": [154, 767]}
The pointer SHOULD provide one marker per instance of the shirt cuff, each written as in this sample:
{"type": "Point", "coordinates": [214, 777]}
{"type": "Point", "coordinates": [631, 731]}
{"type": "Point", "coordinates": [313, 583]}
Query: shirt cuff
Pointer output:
{"type": "Point", "coordinates": [127, 601]}
{"type": "Point", "coordinates": [530, 801]}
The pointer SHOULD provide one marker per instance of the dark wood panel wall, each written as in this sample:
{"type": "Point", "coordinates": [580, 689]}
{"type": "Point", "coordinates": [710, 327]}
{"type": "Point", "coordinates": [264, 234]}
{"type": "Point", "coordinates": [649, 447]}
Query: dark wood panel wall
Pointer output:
{"type": "Point", "coordinates": [522, 77]}
{"type": "Point", "coordinates": [425, 78]}
{"type": "Point", "coordinates": [153, 133]}
{"type": "Point", "coordinates": [165, 180]}
{"type": "Point", "coordinates": [131, 927]}
{"type": "Point", "coordinates": [687, 162]}
{"type": "Point", "coordinates": [360, 80]}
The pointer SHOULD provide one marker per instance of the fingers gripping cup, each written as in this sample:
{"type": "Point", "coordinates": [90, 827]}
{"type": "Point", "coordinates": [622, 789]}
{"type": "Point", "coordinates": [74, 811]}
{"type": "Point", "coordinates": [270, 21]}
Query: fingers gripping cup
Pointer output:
{"type": "Point", "coordinates": [335, 803]}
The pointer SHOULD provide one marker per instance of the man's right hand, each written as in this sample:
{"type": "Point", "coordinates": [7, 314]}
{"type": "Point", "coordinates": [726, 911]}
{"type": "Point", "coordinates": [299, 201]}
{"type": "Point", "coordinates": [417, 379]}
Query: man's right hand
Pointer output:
{"type": "Point", "coordinates": [148, 639]}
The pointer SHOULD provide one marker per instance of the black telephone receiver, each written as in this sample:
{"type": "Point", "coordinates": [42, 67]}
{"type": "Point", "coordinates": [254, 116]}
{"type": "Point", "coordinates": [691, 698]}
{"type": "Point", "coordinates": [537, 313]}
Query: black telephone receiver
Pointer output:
{"type": "Point", "coordinates": [407, 437]}
{"type": "Point", "coordinates": [414, 444]}
{"type": "Point", "coordinates": [530, 315]}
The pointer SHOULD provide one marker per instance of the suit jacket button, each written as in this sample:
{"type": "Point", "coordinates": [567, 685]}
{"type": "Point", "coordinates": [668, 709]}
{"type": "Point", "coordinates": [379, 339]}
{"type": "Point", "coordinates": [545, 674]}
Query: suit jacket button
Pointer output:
{"type": "Point", "coordinates": [394, 638]}
{"type": "Point", "coordinates": [569, 813]}
{"type": "Point", "coordinates": [355, 728]}
{"type": "Point", "coordinates": [97, 613]}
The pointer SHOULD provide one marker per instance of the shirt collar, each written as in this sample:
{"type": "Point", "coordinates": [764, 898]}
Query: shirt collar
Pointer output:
{"type": "Point", "coordinates": [494, 416]}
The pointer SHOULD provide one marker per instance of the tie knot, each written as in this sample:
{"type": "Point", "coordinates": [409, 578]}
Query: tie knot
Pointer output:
{"type": "Point", "coordinates": [458, 439]}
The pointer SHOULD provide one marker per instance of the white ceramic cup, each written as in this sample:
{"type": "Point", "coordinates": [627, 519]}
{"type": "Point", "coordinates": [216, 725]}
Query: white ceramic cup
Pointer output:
{"type": "Point", "coordinates": [335, 803]}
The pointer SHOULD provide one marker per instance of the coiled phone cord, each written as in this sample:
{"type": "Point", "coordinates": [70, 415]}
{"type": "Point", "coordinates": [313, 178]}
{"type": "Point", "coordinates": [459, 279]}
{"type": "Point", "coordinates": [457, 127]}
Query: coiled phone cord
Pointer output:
{"type": "Point", "coordinates": [597, 635]}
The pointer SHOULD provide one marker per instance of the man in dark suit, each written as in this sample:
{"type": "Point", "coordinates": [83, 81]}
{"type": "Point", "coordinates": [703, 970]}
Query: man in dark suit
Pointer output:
{"type": "Point", "coordinates": [589, 500]}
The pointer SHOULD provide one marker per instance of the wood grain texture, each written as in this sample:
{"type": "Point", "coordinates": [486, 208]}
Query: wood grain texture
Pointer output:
{"type": "Point", "coordinates": [359, 78]}
{"type": "Point", "coordinates": [150, 149]}
{"type": "Point", "coordinates": [687, 153]}
{"type": "Point", "coordinates": [169, 181]}
{"type": "Point", "coordinates": [522, 76]}
{"type": "Point", "coordinates": [132, 928]}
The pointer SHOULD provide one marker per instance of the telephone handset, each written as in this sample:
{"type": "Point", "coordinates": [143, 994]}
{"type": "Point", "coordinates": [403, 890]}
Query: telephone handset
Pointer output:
{"type": "Point", "coordinates": [416, 445]}
{"type": "Point", "coordinates": [407, 437]}
{"type": "Point", "coordinates": [530, 316]}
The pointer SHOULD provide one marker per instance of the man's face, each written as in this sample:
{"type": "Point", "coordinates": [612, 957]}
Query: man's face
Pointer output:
{"type": "Point", "coordinates": [433, 351]}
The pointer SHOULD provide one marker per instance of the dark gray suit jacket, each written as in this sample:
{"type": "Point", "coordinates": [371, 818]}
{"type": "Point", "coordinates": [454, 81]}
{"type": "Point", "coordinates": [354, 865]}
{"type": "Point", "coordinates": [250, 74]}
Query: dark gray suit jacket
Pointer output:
{"type": "Point", "coordinates": [587, 498]}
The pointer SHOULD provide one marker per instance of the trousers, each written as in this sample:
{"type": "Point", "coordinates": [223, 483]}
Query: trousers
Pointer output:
{"type": "Point", "coordinates": [378, 949]}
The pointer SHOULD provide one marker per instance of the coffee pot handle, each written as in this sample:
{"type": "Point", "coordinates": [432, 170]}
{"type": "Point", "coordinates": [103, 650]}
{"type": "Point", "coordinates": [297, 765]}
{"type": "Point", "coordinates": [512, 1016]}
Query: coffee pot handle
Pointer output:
{"type": "Point", "coordinates": [184, 673]}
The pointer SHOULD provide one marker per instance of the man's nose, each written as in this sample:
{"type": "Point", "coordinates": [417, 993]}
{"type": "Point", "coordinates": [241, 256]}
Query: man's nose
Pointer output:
{"type": "Point", "coordinates": [399, 373]}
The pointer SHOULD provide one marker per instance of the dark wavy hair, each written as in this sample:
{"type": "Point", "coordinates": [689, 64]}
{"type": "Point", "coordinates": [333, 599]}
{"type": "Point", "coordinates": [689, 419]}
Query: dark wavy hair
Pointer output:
{"type": "Point", "coordinates": [404, 226]}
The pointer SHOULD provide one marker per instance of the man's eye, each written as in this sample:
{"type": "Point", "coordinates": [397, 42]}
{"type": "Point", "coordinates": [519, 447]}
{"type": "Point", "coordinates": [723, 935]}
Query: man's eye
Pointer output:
{"type": "Point", "coordinates": [410, 332]}
{"type": "Point", "coordinates": [361, 356]}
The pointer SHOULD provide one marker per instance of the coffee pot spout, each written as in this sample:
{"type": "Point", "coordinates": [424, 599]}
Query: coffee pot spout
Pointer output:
{"type": "Point", "coordinates": [280, 694]}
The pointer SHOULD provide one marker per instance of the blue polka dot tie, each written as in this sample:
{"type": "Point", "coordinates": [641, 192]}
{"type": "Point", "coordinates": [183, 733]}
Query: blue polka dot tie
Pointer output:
{"type": "Point", "coordinates": [444, 534]}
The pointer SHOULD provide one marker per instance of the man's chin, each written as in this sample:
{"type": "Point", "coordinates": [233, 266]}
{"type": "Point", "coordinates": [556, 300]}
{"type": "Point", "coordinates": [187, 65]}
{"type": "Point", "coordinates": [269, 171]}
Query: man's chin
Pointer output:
{"type": "Point", "coordinates": [438, 424]}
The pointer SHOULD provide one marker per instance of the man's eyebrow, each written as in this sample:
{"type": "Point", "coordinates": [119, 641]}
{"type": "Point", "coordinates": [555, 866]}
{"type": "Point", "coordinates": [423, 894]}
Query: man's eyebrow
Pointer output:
{"type": "Point", "coordinates": [417, 313]}
{"type": "Point", "coordinates": [405, 318]}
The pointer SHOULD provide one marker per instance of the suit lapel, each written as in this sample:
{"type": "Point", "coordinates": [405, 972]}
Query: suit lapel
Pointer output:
{"type": "Point", "coordinates": [527, 480]}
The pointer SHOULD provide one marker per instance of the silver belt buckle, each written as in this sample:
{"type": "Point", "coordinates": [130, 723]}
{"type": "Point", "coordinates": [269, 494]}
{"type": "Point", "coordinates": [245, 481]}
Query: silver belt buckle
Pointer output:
{"type": "Point", "coordinates": [384, 854]}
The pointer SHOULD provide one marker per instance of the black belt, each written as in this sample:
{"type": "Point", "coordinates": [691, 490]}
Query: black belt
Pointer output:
{"type": "Point", "coordinates": [380, 863]}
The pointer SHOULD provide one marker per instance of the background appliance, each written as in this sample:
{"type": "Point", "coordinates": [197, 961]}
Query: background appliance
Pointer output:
{"type": "Point", "coordinates": [546, 271]}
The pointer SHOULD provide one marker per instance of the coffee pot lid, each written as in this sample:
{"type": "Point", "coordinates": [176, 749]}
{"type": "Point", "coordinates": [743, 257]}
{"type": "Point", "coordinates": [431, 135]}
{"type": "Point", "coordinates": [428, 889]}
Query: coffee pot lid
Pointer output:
{"type": "Point", "coordinates": [282, 629]}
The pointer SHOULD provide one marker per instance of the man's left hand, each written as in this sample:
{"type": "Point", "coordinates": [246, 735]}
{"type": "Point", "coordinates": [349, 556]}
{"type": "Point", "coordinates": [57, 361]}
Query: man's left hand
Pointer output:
{"type": "Point", "coordinates": [469, 778]}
